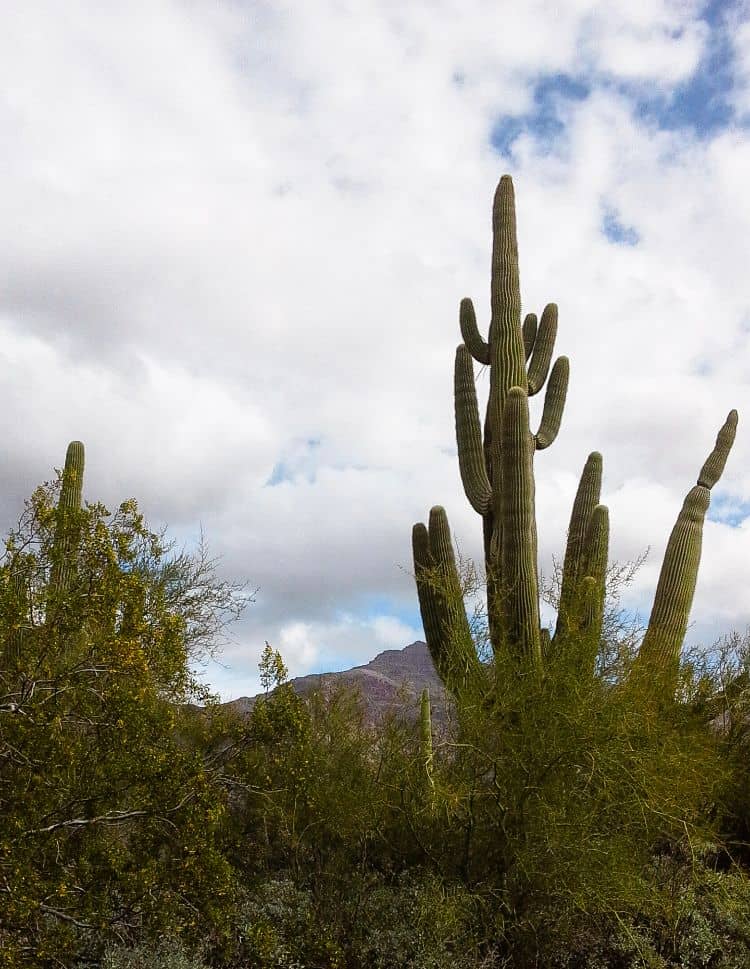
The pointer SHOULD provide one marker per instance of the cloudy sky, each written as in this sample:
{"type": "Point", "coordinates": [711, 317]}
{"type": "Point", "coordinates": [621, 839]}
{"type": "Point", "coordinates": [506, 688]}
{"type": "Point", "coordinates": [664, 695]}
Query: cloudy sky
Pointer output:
{"type": "Point", "coordinates": [233, 240]}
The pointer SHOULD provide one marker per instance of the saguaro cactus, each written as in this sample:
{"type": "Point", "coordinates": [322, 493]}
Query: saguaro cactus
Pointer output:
{"type": "Point", "coordinates": [69, 503]}
{"type": "Point", "coordinates": [497, 474]}
{"type": "Point", "coordinates": [497, 470]}
{"type": "Point", "coordinates": [20, 630]}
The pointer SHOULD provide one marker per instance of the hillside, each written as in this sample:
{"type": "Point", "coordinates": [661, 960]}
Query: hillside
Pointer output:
{"type": "Point", "coordinates": [393, 680]}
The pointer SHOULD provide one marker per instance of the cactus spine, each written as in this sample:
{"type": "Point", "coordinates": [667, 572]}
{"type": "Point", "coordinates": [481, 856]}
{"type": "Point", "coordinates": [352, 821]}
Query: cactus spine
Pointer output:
{"type": "Point", "coordinates": [496, 466]}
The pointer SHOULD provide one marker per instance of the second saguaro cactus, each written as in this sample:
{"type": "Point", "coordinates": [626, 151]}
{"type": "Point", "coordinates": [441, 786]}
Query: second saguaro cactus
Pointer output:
{"type": "Point", "coordinates": [496, 464]}
{"type": "Point", "coordinates": [69, 504]}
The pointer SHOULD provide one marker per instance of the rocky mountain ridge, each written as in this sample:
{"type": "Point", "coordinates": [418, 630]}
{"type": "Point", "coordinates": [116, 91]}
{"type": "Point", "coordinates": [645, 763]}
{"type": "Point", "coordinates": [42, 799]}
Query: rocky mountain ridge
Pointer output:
{"type": "Point", "coordinates": [391, 682]}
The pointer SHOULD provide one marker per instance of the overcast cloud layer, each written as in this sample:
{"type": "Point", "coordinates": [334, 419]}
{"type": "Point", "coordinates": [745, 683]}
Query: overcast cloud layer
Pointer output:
{"type": "Point", "coordinates": [233, 242]}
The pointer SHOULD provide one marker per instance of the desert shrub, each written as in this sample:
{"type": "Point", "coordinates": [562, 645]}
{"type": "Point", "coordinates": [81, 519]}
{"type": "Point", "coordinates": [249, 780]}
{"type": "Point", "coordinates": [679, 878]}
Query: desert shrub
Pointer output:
{"type": "Point", "coordinates": [167, 954]}
{"type": "Point", "coordinates": [413, 922]}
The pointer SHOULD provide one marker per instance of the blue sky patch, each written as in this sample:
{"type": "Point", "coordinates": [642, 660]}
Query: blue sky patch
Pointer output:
{"type": "Point", "coordinates": [373, 606]}
{"type": "Point", "coordinates": [728, 510]}
{"type": "Point", "coordinates": [700, 104]}
{"type": "Point", "coordinates": [301, 461]}
{"type": "Point", "coordinates": [279, 475]}
{"type": "Point", "coordinates": [616, 230]}
{"type": "Point", "coordinates": [543, 122]}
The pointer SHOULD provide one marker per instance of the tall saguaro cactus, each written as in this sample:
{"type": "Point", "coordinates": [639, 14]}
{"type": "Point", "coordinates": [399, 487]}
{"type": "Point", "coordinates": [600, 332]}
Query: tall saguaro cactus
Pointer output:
{"type": "Point", "coordinates": [497, 468]}
{"type": "Point", "coordinates": [496, 465]}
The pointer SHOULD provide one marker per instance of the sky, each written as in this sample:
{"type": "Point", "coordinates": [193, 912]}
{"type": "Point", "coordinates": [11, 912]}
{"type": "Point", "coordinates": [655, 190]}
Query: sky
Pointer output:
{"type": "Point", "coordinates": [234, 236]}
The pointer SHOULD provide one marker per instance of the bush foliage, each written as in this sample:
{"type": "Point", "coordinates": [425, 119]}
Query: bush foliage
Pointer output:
{"type": "Point", "coordinates": [568, 822]}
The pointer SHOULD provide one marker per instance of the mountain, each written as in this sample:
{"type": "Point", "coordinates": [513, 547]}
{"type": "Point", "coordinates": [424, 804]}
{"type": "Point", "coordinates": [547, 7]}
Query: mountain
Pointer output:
{"type": "Point", "coordinates": [393, 681]}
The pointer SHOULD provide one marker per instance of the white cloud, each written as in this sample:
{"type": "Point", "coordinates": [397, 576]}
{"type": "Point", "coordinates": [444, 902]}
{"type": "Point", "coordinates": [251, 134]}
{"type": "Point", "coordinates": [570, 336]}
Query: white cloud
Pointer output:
{"type": "Point", "coordinates": [232, 229]}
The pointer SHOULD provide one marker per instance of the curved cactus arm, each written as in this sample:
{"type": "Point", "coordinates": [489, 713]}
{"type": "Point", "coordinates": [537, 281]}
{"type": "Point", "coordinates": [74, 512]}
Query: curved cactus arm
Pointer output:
{"type": "Point", "coordinates": [586, 499]}
{"type": "Point", "coordinates": [519, 594]}
{"type": "Point", "coordinates": [441, 605]}
{"type": "Point", "coordinates": [554, 404]}
{"type": "Point", "coordinates": [477, 347]}
{"type": "Point", "coordinates": [713, 469]}
{"type": "Point", "coordinates": [469, 434]}
{"type": "Point", "coordinates": [544, 346]}
{"type": "Point", "coordinates": [429, 604]}
{"type": "Point", "coordinates": [529, 330]}
{"type": "Point", "coordinates": [660, 649]}
{"type": "Point", "coordinates": [69, 503]}
{"type": "Point", "coordinates": [675, 589]}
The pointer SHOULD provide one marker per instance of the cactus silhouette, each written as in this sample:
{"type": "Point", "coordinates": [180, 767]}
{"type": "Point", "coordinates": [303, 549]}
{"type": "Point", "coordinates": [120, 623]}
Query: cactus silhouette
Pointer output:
{"type": "Point", "coordinates": [496, 463]}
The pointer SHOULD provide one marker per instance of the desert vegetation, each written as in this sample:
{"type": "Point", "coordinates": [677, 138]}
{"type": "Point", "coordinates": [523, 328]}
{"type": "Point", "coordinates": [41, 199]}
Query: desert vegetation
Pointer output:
{"type": "Point", "coordinates": [587, 805]}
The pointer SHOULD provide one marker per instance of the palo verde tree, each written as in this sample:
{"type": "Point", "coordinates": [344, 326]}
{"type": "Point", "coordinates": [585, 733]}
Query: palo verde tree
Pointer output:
{"type": "Point", "coordinates": [497, 471]}
{"type": "Point", "coordinates": [108, 807]}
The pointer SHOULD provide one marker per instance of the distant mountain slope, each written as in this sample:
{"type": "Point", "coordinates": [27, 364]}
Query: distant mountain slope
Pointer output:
{"type": "Point", "coordinates": [393, 680]}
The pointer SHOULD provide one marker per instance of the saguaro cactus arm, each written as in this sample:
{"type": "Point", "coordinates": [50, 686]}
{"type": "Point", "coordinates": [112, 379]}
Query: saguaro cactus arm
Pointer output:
{"type": "Point", "coordinates": [554, 404]}
{"type": "Point", "coordinates": [676, 586]}
{"type": "Point", "coordinates": [586, 499]}
{"type": "Point", "coordinates": [544, 345]}
{"type": "Point", "coordinates": [469, 434]}
{"type": "Point", "coordinates": [593, 587]}
{"type": "Point", "coordinates": [715, 463]}
{"type": "Point", "coordinates": [441, 605]}
{"type": "Point", "coordinates": [529, 333]}
{"type": "Point", "coordinates": [477, 347]}
{"type": "Point", "coordinates": [675, 589]}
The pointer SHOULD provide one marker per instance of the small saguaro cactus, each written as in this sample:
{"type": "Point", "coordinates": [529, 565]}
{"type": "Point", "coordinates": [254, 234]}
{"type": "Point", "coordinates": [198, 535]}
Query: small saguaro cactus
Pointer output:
{"type": "Point", "coordinates": [69, 503]}
{"type": "Point", "coordinates": [21, 628]}
{"type": "Point", "coordinates": [498, 477]}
